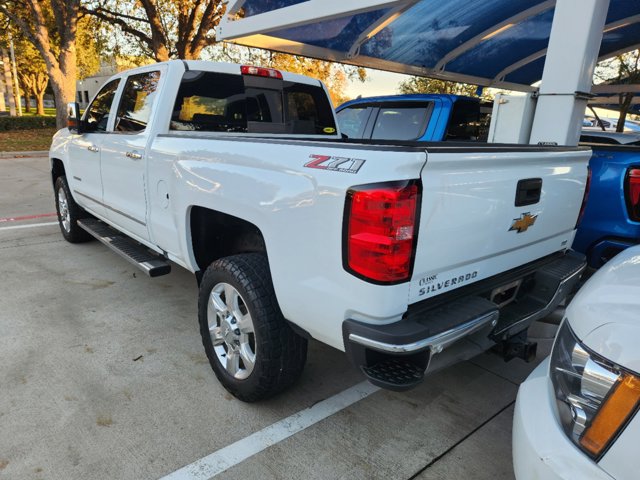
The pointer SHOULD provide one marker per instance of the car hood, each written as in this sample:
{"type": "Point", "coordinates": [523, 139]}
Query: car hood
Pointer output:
{"type": "Point", "coordinates": [605, 313]}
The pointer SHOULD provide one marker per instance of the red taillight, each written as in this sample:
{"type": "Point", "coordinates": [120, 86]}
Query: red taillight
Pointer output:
{"type": "Point", "coordinates": [585, 197]}
{"type": "Point", "coordinates": [633, 193]}
{"type": "Point", "coordinates": [260, 72]}
{"type": "Point", "coordinates": [380, 231]}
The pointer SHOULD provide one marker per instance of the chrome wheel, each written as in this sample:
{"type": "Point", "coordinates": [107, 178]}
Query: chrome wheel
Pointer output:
{"type": "Point", "coordinates": [251, 348]}
{"type": "Point", "coordinates": [63, 209]}
{"type": "Point", "coordinates": [231, 330]}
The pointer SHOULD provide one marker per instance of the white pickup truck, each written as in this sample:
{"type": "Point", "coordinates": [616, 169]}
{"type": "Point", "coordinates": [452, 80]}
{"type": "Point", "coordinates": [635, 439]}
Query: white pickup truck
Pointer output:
{"type": "Point", "coordinates": [408, 256]}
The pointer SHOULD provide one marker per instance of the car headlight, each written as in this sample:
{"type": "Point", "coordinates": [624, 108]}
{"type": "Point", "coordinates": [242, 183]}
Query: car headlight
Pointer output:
{"type": "Point", "coordinates": [595, 398]}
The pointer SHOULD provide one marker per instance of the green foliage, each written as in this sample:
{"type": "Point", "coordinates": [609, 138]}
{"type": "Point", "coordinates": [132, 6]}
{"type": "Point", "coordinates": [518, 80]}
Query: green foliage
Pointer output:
{"type": "Point", "coordinates": [161, 29]}
{"type": "Point", "coordinates": [432, 85]}
{"type": "Point", "coordinates": [32, 72]}
{"type": "Point", "coordinates": [51, 27]}
{"type": "Point", "coordinates": [89, 50]}
{"type": "Point", "coordinates": [88, 44]}
{"type": "Point", "coordinates": [28, 59]}
{"type": "Point", "coordinates": [24, 123]}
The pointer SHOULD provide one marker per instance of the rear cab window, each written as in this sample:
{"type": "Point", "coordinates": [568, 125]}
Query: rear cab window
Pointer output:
{"type": "Point", "coordinates": [386, 121]}
{"type": "Point", "coordinates": [223, 102]}
{"type": "Point", "coordinates": [408, 120]}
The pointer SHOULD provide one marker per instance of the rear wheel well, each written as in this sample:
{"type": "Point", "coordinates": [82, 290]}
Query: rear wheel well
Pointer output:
{"type": "Point", "coordinates": [216, 235]}
{"type": "Point", "coordinates": [57, 169]}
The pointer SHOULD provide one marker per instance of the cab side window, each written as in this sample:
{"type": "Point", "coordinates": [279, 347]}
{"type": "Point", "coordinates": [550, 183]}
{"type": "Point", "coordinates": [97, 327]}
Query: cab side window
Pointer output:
{"type": "Point", "coordinates": [353, 120]}
{"type": "Point", "coordinates": [465, 122]}
{"type": "Point", "coordinates": [97, 114]}
{"type": "Point", "coordinates": [136, 102]}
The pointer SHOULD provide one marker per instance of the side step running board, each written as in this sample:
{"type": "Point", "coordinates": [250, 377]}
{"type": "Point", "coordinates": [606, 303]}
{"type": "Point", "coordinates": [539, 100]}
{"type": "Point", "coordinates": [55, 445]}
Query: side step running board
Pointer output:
{"type": "Point", "coordinates": [151, 264]}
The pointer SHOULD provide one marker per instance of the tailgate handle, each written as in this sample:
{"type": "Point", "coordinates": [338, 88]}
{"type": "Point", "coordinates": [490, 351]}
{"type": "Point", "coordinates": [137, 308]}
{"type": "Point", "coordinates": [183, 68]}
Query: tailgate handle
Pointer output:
{"type": "Point", "coordinates": [528, 191]}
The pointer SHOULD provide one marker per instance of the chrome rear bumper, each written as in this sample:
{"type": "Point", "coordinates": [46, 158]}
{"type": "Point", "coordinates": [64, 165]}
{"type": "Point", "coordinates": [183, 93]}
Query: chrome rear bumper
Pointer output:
{"type": "Point", "coordinates": [431, 327]}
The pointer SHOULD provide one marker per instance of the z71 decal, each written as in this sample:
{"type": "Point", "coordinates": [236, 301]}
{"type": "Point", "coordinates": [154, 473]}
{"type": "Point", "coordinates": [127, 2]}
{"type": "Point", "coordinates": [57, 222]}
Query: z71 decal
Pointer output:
{"type": "Point", "coordinates": [335, 164]}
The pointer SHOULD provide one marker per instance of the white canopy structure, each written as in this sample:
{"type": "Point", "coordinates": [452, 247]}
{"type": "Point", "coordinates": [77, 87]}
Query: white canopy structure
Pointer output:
{"type": "Point", "coordinates": [501, 43]}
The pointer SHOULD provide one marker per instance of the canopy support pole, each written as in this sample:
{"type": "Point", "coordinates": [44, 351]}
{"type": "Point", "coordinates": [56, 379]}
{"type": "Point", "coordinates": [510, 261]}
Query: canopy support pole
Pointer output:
{"type": "Point", "coordinates": [576, 34]}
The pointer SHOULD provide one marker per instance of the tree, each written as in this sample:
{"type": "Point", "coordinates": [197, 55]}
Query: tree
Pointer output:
{"type": "Point", "coordinates": [51, 26]}
{"type": "Point", "coordinates": [167, 29]}
{"type": "Point", "coordinates": [32, 73]}
{"type": "Point", "coordinates": [432, 85]}
{"type": "Point", "coordinates": [8, 81]}
{"type": "Point", "coordinates": [90, 48]}
{"type": "Point", "coordinates": [164, 29]}
{"type": "Point", "coordinates": [621, 70]}
{"type": "Point", "coordinates": [36, 83]}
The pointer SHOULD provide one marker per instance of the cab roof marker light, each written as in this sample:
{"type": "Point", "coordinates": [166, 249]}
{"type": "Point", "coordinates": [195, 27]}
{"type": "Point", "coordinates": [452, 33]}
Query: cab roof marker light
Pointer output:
{"type": "Point", "coordinates": [260, 72]}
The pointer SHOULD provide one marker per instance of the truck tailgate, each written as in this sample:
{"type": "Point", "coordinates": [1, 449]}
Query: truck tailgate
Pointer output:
{"type": "Point", "coordinates": [470, 225]}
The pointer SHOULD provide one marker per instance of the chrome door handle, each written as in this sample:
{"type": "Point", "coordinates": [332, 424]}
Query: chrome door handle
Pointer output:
{"type": "Point", "coordinates": [133, 155]}
{"type": "Point", "coordinates": [93, 148]}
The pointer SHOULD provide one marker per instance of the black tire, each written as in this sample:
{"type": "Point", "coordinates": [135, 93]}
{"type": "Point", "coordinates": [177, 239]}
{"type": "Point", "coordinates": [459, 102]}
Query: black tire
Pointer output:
{"type": "Point", "coordinates": [279, 353]}
{"type": "Point", "coordinates": [69, 214]}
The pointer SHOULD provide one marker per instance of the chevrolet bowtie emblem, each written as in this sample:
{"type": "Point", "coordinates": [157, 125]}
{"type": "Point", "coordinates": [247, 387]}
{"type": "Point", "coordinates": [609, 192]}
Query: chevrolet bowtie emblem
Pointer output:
{"type": "Point", "coordinates": [523, 223]}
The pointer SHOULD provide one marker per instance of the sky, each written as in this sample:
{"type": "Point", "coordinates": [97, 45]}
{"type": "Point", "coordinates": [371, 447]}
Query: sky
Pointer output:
{"type": "Point", "coordinates": [378, 83]}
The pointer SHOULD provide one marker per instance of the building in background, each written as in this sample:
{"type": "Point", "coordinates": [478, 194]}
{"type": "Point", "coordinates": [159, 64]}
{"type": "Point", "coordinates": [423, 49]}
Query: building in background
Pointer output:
{"type": "Point", "coordinates": [88, 87]}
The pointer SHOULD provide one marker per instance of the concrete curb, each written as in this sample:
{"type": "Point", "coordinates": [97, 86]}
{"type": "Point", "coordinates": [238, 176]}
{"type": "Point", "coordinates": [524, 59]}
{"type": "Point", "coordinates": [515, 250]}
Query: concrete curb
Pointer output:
{"type": "Point", "coordinates": [35, 153]}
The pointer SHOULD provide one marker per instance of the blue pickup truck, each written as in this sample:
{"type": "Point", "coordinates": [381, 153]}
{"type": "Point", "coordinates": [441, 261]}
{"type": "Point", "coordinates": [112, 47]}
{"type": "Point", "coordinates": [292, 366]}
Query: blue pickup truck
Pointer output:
{"type": "Point", "coordinates": [611, 219]}
{"type": "Point", "coordinates": [420, 117]}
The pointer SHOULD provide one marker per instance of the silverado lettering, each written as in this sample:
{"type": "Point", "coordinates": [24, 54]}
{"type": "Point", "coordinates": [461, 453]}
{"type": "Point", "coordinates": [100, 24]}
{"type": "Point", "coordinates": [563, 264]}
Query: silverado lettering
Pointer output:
{"type": "Point", "coordinates": [448, 283]}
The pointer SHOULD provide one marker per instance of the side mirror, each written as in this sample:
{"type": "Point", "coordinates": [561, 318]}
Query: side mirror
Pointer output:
{"type": "Point", "coordinates": [74, 123]}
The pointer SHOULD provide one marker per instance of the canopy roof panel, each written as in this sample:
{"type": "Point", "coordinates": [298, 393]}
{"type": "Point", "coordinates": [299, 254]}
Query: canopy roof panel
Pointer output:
{"type": "Point", "coordinates": [490, 57]}
{"type": "Point", "coordinates": [337, 34]}
{"type": "Point", "coordinates": [486, 42]}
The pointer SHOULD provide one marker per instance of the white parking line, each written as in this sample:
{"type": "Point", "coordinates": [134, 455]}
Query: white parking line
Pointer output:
{"type": "Point", "coordinates": [239, 451]}
{"type": "Point", "coordinates": [33, 225]}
